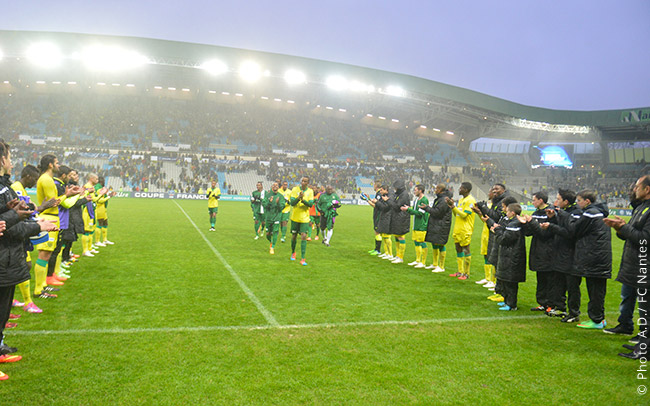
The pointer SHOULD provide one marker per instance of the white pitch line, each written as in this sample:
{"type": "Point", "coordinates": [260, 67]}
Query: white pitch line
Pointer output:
{"type": "Point", "coordinates": [267, 315]}
{"type": "Point", "coordinates": [138, 330]}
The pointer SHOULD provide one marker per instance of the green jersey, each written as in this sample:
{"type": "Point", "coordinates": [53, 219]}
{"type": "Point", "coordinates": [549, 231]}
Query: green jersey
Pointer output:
{"type": "Point", "coordinates": [273, 204]}
{"type": "Point", "coordinates": [420, 216]}
{"type": "Point", "coordinates": [326, 204]}
{"type": "Point", "coordinates": [256, 201]}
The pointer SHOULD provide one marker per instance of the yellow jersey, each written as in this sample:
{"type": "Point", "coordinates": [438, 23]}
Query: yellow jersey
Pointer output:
{"type": "Point", "coordinates": [287, 196]}
{"type": "Point", "coordinates": [213, 195]}
{"type": "Point", "coordinates": [46, 190]}
{"type": "Point", "coordinates": [464, 216]}
{"type": "Point", "coordinates": [300, 210]}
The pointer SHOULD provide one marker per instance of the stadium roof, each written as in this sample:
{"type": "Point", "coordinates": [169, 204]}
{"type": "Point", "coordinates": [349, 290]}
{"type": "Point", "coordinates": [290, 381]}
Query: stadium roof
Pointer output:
{"type": "Point", "coordinates": [468, 112]}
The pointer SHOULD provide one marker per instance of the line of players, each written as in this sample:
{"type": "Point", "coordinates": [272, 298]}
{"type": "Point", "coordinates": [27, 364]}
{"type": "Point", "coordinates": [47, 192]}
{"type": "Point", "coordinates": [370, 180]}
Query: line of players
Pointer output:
{"type": "Point", "coordinates": [570, 242]}
{"type": "Point", "coordinates": [64, 210]}
{"type": "Point", "coordinates": [304, 208]}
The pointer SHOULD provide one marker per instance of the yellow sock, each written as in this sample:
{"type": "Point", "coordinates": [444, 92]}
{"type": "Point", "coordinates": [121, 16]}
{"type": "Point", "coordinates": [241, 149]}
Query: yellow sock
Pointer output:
{"type": "Point", "coordinates": [436, 253]}
{"type": "Point", "coordinates": [40, 272]}
{"type": "Point", "coordinates": [85, 242]}
{"type": "Point", "coordinates": [57, 267]}
{"type": "Point", "coordinates": [441, 261]}
{"type": "Point", "coordinates": [388, 246]}
{"type": "Point", "coordinates": [418, 253]}
{"type": "Point", "coordinates": [493, 277]}
{"type": "Point", "coordinates": [25, 291]}
{"type": "Point", "coordinates": [486, 269]}
{"type": "Point", "coordinates": [104, 234]}
{"type": "Point", "coordinates": [97, 235]}
{"type": "Point", "coordinates": [401, 248]}
{"type": "Point", "coordinates": [425, 252]}
{"type": "Point", "coordinates": [467, 260]}
{"type": "Point", "coordinates": [459, 261]}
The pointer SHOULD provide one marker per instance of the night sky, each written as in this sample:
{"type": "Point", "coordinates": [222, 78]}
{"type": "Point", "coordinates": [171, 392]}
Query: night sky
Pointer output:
{"type": "Point", "coordinates": [577, 55]}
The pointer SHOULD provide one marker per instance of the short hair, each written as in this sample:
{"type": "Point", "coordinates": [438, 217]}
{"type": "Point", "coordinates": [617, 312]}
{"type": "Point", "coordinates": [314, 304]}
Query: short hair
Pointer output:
{"type": "Point", "coordinates": [508, 200]}
{"type": "Point", "coordinates": [442, 185]}
{"type": "Point", "coordinates": [542, 195]}
{"type": "Point", "coordinates": [420, 187]}
{"type": "Point", "coordinates": [515, 207]}
{"type": "Point", "coordinates": [308, 178]}
{"type": "Point", "coordinates": [501, 185]}
{"type": "Point", "coordinates": [467, 186]}
{"type": "Point", "coordinates": [5, 148]}
{"type": "Point", "coordinates": [568, 195]}
{"type": "Point", "coordinates": [588, 194]}
{"type": "Point", "coordinates": [91, 175]}
{"type": "Point", "coordinates": [29, 170]}
{"type": "Point", "coordinates": [46, 160]}
{"type": "Point", "coordinates": [385, 187]}
{"type": "Point", "coordinates": [64, 170]}
{"type": "Point", "coordinates": [645, 180]}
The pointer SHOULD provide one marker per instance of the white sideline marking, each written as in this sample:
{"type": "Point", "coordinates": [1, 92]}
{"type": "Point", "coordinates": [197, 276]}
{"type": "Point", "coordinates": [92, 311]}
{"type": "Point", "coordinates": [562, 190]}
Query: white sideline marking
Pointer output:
{"type": "Point", "coordinates": [267, 315]}
{"type": "Point", "coordinates": [271, 327]}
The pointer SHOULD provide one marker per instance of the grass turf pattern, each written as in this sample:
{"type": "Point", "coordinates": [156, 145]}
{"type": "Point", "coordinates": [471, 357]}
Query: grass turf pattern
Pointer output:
{"type": "Point", "coordinates": [160, 319]}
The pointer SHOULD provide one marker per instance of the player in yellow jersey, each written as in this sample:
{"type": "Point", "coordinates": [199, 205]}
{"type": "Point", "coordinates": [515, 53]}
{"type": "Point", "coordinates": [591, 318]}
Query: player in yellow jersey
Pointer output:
{"type": "Point", "coordinates": [286, 212]}
{"type": "Point", "coordinates": [463, 229]}
{"type": "Point", "coordinates": [213, 194]}
{"type": "Point", "coordinates": [46, 190]}
{"type": "Point", "coordinates": [488, 281]}
{"type": "Point", "coordinates": [101, 213]}
{"type": "Point", "coordinates": [302, 198]}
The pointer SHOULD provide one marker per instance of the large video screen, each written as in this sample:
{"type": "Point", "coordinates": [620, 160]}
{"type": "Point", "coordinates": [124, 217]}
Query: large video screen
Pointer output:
{"type": "Point", "coordinates": [552, 155]}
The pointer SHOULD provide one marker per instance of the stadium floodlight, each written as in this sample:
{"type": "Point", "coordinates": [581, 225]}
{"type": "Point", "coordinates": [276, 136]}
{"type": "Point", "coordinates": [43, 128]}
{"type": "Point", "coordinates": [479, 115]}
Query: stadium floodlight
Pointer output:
{"type": "Point", "coordinates": [212, 91]}
{"type": "Point", "coordinates": [56, 82]}
{"type": "Point", "coordinates": [111, 58]}
{"type": "Point", "coordinates": [214, 67]}
{"type": "Point", "coordinates": [293, 102]}
{"type": "Point", "coordinates": [44, 54]}
{"type": "Point", "coordinates": [329, 108]}
{"type": "Point", "coordinates": [277, 100]}
{"type": "Point", "coordinates": [369, 115]}
{"type": "Point", "coordinates": [423, 127]}
{"type": "Point", "coordinates": [558, 128]}
{"type": "Point", "coordinates": [436, 130]}
{"type": "Point", "coordinates": [185, 89]}
{"type": "Point", "coordinates": [250, 71]}
{"type": "Point", "coordinates": [130, 85]}
{"type": "Point", "coordinates": [72, 83]}
{"type": "Point", "coordinates": [158, 87]}
{"type": "Point", "coordinates": [450, 132]}
{"type": "Point", "coordinates": [40, 82]}
{"type": "Point", "coordinates": [382, 118]}
{"type": "Point", "coordinates": [395, 91]}
{"type": "Point", "coordinates": [343, 110]}
{"type": "Point", "coordinates": [357, 86]}
{"type": "Point", "coordinates": [337, 82]}
{"type": "Point", "coordinates": [264, 97]}
{"type": "Point", "coordinates": [295, 77]}
{"type": "Point", "coordinates": [394, 120]}
{"type": "Point", "coordinates": [238, 95]}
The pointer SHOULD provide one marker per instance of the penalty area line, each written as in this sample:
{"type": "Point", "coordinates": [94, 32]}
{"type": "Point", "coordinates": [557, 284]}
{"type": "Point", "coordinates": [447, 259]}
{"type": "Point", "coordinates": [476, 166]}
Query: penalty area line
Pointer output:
{"type": "Point", "coordinates": [137, 330]}
{"type": "Point", "coordinates": [267, 314]}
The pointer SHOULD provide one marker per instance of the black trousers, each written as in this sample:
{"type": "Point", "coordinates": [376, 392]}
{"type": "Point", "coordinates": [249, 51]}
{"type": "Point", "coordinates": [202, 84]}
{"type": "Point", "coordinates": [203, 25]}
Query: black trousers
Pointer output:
{"type": "Point", "coordinates": [544, 288]}
{"type": "Point", "coordinates": [6, 298]}
{"type": "Point", "coordinates": [597, 289]}
{"type": "Point", "coordinates": [573, 294]}
{"type": "Point", "coordinates": [510, 292]}
{"type": "Point", "coordinates": [558, 291]}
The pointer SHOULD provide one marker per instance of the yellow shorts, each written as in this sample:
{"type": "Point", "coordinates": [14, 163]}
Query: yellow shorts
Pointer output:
{"type": "Point", "coordinates": [385, 235]}
{"type": "Point", "coordinates": [462, 239]}
{"type": "Point", "coordinates": [418, 236]}
{"type": "Point", "coordinates": [50, 244]}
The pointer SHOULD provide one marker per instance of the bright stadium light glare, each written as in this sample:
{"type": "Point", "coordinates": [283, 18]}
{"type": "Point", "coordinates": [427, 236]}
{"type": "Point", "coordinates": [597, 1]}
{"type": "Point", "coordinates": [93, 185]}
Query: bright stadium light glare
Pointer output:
{"type": "Point", "coordinates": [111, 58]}
{"type": "Point", "coordinates": [337, 82]}
{"type": "Point", "coordinates": [294, 77]}
{"type": "Point", "coordinates": [44, 54]}
{"type": "Point", "coordinates": [250, 71]}
{"type": "Point", "coordinates": [395, 91]}
{"type": "Point", "coordinates": [357, 86]}
{"type": "Point", "coordinates": [214, 67]}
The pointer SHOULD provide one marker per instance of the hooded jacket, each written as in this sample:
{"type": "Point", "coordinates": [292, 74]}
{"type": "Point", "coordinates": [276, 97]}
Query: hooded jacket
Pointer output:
{"type": "Point", "coordinates": [385, 214]}
{"type": "Point", "coordinates": [13, 265]}
{"type": "Point", "coordinates": [400, 221]}
{"type": "Point", "coordinates": [542, 246]}
{"type": "Point", "coordinates": [439, 220]}
{"type": "Point", "coordinates": [636, 234]}
{"type": "Point", "coordinates": [563, 241]}
{"type": "Point", "coordinates": [593, 253]}
{"type": "Point", "coordinates": [511, 251]}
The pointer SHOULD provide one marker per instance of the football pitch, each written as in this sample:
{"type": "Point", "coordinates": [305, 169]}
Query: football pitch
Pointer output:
{"type": "Point", "coordinates": [175, 314]}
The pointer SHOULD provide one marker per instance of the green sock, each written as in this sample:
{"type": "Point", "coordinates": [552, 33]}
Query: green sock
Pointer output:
{"type": "Point", "coordinates": [293, 246]}
{"type": "Point", "coordinates": [268, 236]}
{"type": "Point", "coordinates": [283, 229]}
{"type": "Point", "coordinates": [303, 248]}
{"type": "Point", "coordinates": [275, 239]}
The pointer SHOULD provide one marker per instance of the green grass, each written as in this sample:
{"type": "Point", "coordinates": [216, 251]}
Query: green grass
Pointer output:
{"type": "Point", "coordinates": [159, 319]}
